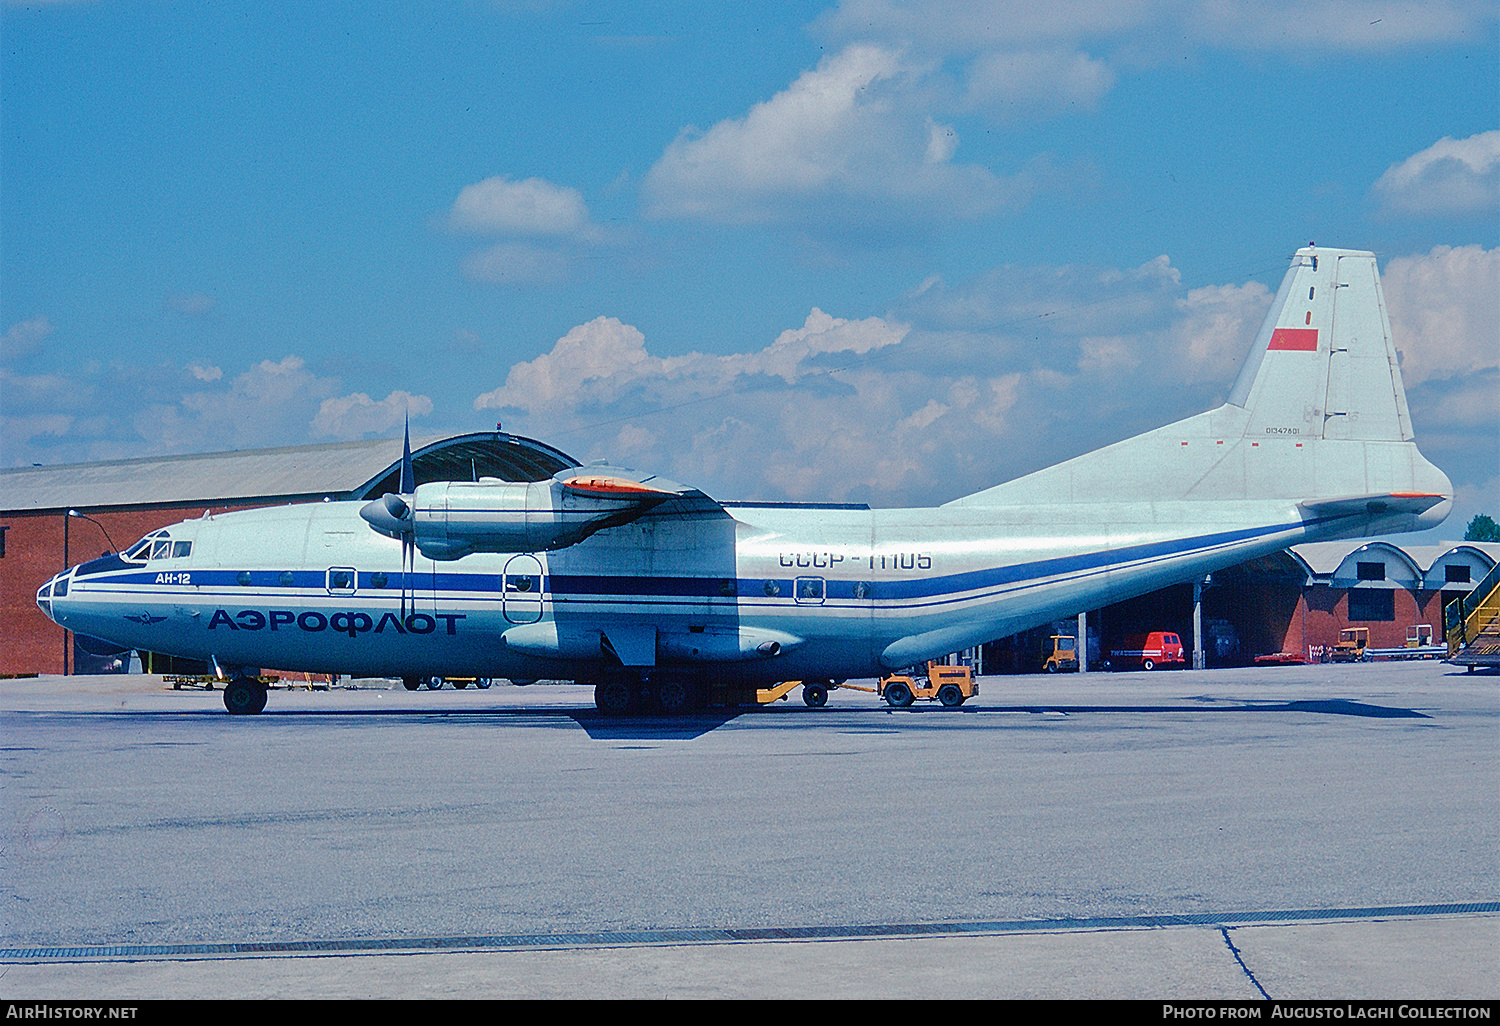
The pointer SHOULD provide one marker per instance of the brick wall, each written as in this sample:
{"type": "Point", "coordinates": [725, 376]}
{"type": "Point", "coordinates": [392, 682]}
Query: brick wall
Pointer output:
{"type": "Point", "coordinates": [38, 545]}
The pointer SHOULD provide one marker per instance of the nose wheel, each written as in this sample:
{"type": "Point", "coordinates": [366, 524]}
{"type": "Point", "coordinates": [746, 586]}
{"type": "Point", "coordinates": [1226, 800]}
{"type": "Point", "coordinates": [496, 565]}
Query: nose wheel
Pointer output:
{"type": "Point", "coordinates": [244, 696]}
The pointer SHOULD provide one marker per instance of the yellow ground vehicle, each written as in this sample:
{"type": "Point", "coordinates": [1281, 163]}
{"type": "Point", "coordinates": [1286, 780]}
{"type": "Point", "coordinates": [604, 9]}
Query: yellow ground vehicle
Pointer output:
{"type": "Point", "coordinates": [1351, 646]}
{"type": "Point", "coordinates": [1060, 654]}
{"type": "Point", "coordinates": [950, 685]}
{"type": "Point", "coordinates": [1418, 635]}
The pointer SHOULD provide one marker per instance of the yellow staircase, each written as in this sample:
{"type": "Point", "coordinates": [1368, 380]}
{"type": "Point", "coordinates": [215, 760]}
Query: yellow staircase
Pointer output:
{"type": "Point", "coordinates": [1472, 625]}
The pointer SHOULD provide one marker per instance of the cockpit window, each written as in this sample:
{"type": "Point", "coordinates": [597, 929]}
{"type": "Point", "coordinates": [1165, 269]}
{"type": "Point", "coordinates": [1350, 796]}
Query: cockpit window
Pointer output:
{"type": "Point", "coordinates": [182, 548]}
{"type": "Point", "coordinates": [155, 545]}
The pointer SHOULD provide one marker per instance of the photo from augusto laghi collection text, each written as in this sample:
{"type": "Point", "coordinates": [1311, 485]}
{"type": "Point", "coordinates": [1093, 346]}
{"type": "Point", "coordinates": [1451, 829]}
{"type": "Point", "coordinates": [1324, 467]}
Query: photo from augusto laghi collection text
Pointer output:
{"type": "Point", "coordinates": [1326, 1010]}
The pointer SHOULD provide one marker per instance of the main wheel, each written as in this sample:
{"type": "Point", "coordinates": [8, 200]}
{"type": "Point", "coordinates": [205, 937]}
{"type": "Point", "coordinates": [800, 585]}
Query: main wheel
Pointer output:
{"type": "Point", "coordinates": [433, 683]}
{"type": "Point", "coordinates": [483, 683]}
{"type": "Point", "coordinates": [815, 695]}
{"type": "Point", "coordinates": [674, 698]}
{"type": "Point", "coordinates": [612, 699]}
{"type": "Point", "coordinates": [411, 683]}
{"type": "Point", "coordinates": [898, 695]}
{"type": "Point", "coordinates": [244, 696]}
{"type": "Point", "coordinates": [951, 695]}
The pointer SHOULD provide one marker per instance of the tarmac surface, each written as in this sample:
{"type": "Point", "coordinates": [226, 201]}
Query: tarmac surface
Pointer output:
{"type": "Point", "coordinates": [1296, 832]}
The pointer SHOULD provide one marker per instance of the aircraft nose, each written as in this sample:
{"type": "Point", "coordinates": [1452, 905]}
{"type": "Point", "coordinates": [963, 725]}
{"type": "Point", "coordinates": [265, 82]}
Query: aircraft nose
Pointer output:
{"type": "Point", "coordinates": [55, 588]}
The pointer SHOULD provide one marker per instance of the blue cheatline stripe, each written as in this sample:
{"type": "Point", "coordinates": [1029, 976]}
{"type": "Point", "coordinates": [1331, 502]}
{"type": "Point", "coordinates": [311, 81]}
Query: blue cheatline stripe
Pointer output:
{"type": "Point", "coordinates": [729, 935]}
{"type": "Point", "coordinates": [564, 586]}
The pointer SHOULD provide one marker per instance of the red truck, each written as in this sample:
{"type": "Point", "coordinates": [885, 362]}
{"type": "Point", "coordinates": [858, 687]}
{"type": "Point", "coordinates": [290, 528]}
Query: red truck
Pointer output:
{"type": "Point", "coordinates": [1147, 651]}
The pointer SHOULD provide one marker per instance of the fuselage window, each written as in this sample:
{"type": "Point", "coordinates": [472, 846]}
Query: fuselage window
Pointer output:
{"type": "Point", "coordinates": [341, 578]}
{"type": "Point", "coordinates": [809, 589]}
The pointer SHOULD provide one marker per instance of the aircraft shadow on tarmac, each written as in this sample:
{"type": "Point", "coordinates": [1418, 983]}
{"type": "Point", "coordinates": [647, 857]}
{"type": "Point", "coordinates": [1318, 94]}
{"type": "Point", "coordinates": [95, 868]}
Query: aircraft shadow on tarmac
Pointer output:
{"type": "Point", "coordinates": [602, 727]}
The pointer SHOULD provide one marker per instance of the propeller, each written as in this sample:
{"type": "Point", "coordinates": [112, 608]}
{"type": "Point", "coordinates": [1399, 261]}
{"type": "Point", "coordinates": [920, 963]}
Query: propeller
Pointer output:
{"type": "Point", "coordinates": [391, 515]}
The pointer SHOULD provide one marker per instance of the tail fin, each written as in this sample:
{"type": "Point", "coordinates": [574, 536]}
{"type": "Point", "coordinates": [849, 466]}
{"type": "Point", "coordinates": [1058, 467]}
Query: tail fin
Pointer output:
{"type": "Point", "coordinates": [1323, 365]}
{"type": "Point", "coordinates": [1318, 416]}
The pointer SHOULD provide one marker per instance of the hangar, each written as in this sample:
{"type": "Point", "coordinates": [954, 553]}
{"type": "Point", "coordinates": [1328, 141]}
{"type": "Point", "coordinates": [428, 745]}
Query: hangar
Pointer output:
{"type": "Point", "coordinates": [1294, 602]}
{"type": "Point", "coordinates": [51, 517]}
{"type": "Point", "coordinates": [119, 501]}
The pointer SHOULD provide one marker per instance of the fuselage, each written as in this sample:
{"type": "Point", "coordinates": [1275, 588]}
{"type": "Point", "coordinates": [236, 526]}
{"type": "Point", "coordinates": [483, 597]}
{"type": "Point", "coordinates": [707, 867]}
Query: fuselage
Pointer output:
{"type": "Point", "coordinates": [755, 594]}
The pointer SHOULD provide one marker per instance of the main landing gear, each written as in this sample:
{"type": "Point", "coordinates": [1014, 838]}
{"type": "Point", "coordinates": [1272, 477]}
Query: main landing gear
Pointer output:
{"type": "Point", "coordinates": [669, 698]}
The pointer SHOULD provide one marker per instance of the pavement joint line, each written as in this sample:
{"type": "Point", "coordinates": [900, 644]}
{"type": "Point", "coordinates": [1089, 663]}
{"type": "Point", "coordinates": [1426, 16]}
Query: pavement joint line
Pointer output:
{"type": "Point", "coordinates": [730, 935]}
{"type": "Point", "coordinates": [1239, 959]}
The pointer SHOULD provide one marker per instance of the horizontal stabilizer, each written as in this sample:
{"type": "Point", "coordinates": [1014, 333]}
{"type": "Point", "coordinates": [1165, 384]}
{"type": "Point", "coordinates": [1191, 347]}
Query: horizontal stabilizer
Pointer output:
{"type": "Point", "coordinates": [1390, 504]}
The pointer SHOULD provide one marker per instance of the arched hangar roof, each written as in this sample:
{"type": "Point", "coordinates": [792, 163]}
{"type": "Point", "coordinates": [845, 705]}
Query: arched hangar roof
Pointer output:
{"type": "Point", "coordinates": [342, 470]}
{"type": "Point", "coordinates": [470, 457]}
{"type": "Point", "coordinates": [1410, 566]}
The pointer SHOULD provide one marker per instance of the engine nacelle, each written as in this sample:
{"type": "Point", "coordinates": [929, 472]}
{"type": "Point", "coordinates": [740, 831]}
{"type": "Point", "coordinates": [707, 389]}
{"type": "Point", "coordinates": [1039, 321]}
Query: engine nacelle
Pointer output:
{"type": "Point", "coordinates": [450, 519]}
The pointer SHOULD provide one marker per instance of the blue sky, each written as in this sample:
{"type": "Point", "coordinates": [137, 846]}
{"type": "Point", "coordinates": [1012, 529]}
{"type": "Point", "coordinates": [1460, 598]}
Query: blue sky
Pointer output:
{"type": "Point", "coordinates": [879, 251]}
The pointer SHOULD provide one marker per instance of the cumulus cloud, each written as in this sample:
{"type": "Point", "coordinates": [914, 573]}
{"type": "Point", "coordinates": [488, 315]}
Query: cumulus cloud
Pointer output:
{"type": "Point", "coordinates": [871, 138]}
{"type": "Point", "coordinates": [96, 411]}
{"type": "Point", "coordinates": [1334, 25]}
{"type": "Point", "coordinates": [1011, 85]}
{"type": "Point", "coordinates": [531, 207]}
{"type": "Point", "coordinates": [356, 415]}
{"type": "Point", "coordinates": [544, 229]}
{"type": "Point", "coordinates": [957, 389]}
{"type": "Point", "coordinates": [1457, 423]}
{"type": "Point", "coordinates": [600, 354]}
{"type": "Point", "coordinates": [264, 405]}
{"type": "Point", "coordinates": [1452, 176]}
{"type": "Point", "coordinates": [1445, 311]}
{"type": "Point", "coordinates": [855, 130]}
{"type": "Point", "coordinates": [25, 337]}
{"type": "Point", "coordinates": [604, 359]}
{"type": "Point", "coordinates": [1214, 323]}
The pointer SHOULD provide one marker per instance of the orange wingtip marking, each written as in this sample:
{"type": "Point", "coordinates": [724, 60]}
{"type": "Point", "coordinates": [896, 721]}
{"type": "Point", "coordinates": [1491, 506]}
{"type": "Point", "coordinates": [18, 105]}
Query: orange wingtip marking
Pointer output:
{"type": "Point", "coordinates": [1417, 495]}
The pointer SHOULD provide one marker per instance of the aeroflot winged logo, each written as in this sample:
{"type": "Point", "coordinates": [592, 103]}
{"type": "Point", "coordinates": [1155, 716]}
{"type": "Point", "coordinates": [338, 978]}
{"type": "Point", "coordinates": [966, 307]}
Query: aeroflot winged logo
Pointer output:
{"type": "Point", "coordinates": [145, 619]}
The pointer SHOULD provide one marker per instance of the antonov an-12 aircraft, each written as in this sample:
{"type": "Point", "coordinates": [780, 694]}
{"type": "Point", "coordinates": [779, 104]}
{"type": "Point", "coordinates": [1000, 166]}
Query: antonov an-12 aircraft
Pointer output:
{"type": "Point", "coordinates": [662, 597]}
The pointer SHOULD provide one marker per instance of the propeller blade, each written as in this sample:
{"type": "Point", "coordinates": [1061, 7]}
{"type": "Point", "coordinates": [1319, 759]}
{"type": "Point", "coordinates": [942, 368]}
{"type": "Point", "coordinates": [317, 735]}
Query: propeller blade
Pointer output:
{"type": "Point", "coordinates": [408, 476]}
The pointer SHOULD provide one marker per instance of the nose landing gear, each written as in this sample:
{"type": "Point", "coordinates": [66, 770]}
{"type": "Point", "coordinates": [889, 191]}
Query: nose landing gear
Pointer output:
{"type": "Point", "coordinates": [244, 696]}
